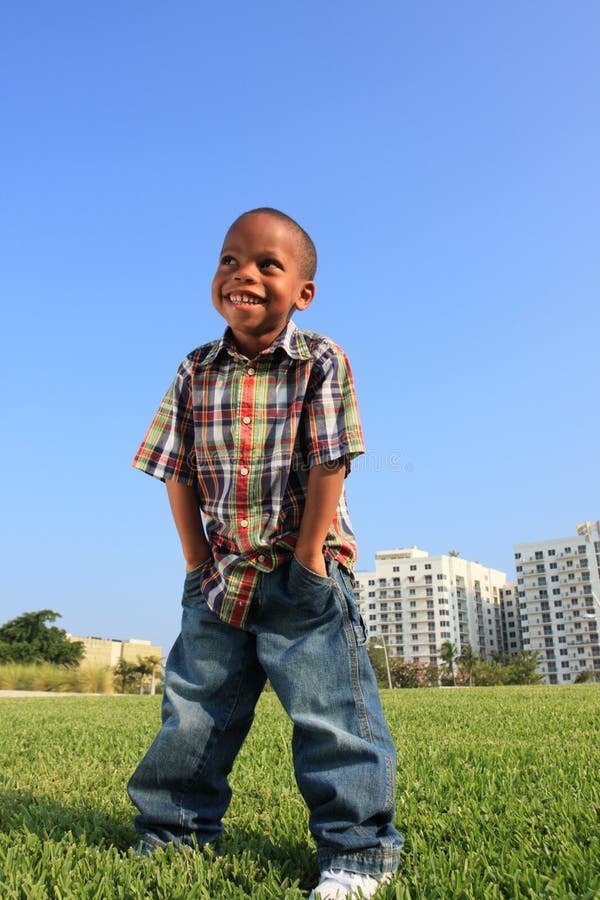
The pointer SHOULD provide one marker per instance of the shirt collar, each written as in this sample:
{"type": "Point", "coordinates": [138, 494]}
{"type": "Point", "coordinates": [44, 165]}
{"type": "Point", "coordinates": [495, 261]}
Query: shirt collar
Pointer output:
{"type": "Point", "coordinates": [291, 340]}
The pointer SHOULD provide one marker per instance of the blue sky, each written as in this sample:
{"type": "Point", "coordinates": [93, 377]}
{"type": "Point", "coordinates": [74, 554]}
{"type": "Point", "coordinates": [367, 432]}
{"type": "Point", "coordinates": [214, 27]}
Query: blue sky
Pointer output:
{"type": "Point", "coordinates": [444, 157]}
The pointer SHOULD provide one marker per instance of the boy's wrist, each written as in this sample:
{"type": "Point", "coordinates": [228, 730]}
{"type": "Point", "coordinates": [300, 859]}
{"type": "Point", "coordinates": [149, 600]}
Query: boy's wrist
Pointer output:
{"type": "Point", "coordinates": [196, 562]}
{"type": "Point", "coordinates": [312, 558]}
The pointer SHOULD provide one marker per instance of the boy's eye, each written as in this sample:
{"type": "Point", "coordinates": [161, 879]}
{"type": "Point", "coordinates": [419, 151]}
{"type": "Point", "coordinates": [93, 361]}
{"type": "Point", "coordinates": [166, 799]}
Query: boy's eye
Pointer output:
{"type": "Point", "coordinates": [270, 264]}
{"type": "Point", "coordinates": [227, 260]}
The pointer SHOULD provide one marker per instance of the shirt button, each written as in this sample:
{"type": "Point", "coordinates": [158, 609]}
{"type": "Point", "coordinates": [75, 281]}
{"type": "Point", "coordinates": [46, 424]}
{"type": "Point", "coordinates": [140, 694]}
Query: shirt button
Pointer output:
{"type": "Point", "coordinates": [261, 557]}
{"type": "Point", "coordinates": [244, 523]}
{"type": "Point", "coordinates": [246, 420]}
{"type": "Point", "coordinates": [251, 371]}
{"type": "Point", "coordinates": [244, 470]}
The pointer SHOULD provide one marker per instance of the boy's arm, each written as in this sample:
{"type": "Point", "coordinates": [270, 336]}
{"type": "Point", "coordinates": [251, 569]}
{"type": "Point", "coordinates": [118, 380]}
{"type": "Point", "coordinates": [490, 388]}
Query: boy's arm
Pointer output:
{"type": "Point", "coordinates": [188, 521]}
{"type": "Point", "coordinates": [325, 483]}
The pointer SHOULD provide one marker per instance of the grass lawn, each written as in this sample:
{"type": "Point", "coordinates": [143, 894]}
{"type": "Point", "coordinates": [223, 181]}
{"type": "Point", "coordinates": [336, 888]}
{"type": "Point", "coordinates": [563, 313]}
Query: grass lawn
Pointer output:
{"type": "Point", "coordinates": [498, 796]}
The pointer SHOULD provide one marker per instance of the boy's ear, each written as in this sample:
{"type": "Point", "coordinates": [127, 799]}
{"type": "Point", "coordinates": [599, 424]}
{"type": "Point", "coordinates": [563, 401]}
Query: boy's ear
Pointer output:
{"type": "Point", "coordinates": [306, 295]}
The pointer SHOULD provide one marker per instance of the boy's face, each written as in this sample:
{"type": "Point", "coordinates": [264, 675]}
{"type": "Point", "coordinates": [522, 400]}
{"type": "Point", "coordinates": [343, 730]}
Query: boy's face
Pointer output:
{"type": "Point", "coordinates": [258, 283]}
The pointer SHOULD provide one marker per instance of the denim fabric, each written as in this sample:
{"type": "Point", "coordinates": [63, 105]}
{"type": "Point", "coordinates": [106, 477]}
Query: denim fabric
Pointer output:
{"type": "Point", "coordinates": [307, 637]}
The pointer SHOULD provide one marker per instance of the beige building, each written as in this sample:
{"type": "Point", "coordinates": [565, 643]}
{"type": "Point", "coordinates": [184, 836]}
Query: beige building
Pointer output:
{"type": "Point", "coordinates": [108, 652]}
{"type": "Point", "coordinates": [416, 602]}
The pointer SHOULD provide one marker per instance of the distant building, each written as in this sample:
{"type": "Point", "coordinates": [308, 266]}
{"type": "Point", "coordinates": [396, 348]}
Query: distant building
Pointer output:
{"type": "Point", "coordinates": [558, 584]}
{"type": "Point", "coordinates": [512, 640]}
{"type": "Point", "coordinates": [416, 602]}
{"type": "Point", "coordinates": [107, 652]}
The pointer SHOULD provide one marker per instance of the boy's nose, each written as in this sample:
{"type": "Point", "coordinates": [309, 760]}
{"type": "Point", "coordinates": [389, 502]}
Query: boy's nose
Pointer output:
{"type": "Point", "coordinates": [245, 273]}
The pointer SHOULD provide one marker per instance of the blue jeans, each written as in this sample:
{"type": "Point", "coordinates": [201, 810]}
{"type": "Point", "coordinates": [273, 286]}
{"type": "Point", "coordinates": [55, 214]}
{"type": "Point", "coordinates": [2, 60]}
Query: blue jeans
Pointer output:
{"type": "Point", "coordinates": [307, 637]}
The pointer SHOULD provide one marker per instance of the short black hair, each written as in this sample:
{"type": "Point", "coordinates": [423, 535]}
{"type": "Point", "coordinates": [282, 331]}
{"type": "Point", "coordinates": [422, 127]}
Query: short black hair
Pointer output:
{"type": "Point", "coordinates": [308, 251]}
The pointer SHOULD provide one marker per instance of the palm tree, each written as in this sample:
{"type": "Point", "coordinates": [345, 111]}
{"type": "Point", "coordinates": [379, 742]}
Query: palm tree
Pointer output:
{"type": "Point", "coordinates": [466, 663]}
{"type": "Point", "coordinates": [143, 668]}
{"type": "Point", "coordinates": [448, 655]}
{"type": "Point", "coordinates": [125, 675]}
{"type": "Point", "coordinates": [156, 663]}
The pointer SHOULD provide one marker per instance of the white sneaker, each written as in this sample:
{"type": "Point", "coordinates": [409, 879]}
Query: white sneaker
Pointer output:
{"type": "Point", "coordinates": [335, 884]}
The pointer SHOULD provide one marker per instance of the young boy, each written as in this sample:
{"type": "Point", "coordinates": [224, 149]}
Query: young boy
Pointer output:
{"type": "Point", "coordinates": [257, 431]}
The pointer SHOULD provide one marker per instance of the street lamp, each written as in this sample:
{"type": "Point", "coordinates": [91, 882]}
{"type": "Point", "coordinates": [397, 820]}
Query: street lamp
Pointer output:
{"type": "Point", "coordinates": [383, 647]}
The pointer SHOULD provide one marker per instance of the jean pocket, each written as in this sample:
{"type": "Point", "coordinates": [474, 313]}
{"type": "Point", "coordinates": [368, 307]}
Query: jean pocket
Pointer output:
{"type": "Point", "coordinates": [361, 631]}
{"type": "Point", "coordinates": [308, 590]}
{"type": "Point", "coordinates": [308, 573]}
{"type": "Point", "coordinates": [195, 581]}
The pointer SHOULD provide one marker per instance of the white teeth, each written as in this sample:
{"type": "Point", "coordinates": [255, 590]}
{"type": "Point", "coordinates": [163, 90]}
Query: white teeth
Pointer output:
{"type": "Point", "coordinates": [244, 298]}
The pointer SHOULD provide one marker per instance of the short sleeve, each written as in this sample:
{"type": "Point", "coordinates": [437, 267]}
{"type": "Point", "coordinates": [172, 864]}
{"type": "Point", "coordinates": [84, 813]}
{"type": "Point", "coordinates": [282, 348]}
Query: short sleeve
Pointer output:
{"type": "Point", "coordinates": [167, 451]}
{"type": "Point", "coordinates": [332, 429]}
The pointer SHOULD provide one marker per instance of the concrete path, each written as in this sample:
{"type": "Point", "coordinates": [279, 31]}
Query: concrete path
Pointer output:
{"type": "Point", "coordinates": [10, 694]}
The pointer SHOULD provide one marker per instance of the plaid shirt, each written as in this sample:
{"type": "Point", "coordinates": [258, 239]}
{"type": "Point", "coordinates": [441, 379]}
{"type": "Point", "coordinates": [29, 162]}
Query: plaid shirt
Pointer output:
{"type": "Point", "coordinates": [245, 433]}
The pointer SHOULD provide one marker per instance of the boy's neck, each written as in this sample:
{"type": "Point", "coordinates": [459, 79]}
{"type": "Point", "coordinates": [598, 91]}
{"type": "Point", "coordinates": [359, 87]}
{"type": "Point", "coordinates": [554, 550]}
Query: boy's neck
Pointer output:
{"type": "Point", "coordinates": [252, 346]}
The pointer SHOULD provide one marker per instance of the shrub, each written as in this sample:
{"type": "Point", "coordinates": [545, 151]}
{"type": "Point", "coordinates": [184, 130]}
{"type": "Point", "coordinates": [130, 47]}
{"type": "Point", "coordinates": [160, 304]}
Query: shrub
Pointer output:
{"type": "Point", "coordinates": [46, 677]}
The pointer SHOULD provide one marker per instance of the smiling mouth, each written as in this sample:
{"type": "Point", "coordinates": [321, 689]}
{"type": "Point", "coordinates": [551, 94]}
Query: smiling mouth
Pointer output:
{"type": "Point", "coordinates": [244, 300]}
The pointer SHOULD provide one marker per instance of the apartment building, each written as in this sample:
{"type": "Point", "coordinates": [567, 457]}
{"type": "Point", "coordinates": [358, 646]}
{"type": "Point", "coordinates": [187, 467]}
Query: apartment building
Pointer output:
{"type": "Point", "coordinates": [416, 602]}
{"type": "Point", "coordinates": [512, 638]}
{"type": "Point", "coordinates": [558, 585]}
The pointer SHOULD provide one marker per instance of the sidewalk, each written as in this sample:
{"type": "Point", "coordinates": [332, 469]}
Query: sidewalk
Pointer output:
{"type": "Point", "coordinates": [12, 694]}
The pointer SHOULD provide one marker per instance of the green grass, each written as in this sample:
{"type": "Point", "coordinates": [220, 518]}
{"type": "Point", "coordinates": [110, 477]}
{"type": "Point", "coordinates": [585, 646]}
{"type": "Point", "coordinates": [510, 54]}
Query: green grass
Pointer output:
{"type": "Point", "coordinates": [498, 796]}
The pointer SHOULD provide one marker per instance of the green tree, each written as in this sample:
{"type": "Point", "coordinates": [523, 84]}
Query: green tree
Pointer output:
{"type": "Point", "coordinates": [404, 674]}
{"type": "Point", "coordinates": [377, 656]}
{"type": "Point", "coordinates": [155, 664]}
{"type": "Point", "coordinates": [522, 668]}
{"type": "Point", "coordinates": [145, 669]}
{"type": "Point", "coordinates": [489, 674]}
{"type": "Point", "coordinates": [466, 664]}
{"type": "Point", "coordinates": [126, 677]}
{"type": "Point", "coordinates": [448, 657]}
{"type": "Point", "coordinates": [28, 639]}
